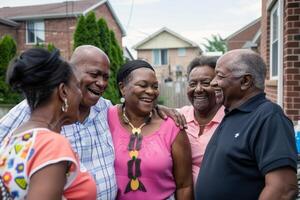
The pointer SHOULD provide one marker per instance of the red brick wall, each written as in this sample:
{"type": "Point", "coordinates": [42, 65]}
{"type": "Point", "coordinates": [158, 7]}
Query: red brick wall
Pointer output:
{"type": "Point", "coordinates": [60, 33]}
{"type": "Point", "coordinates": [8, 30]}
{"type": "Point", "coordinates": [241, 38]}
{"type": "Point", "coordinates": [103, 11]}
{"type": "Point", "coordinates": [57, 31]}
{"type": "Point", "coordinates": [291, 58]}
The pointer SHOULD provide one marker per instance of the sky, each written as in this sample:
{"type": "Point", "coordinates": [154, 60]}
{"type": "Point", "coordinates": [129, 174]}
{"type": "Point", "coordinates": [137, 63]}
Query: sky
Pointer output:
{"type": "Point", "coordinates": [193, 19]}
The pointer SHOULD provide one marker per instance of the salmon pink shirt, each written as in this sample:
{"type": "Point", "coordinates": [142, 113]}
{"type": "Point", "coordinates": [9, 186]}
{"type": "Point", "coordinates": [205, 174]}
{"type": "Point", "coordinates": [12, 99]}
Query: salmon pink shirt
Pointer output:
{"type": "Point", "coordinates": [199, 143]}
{"type": "Point", "coordinates": [23, 154]}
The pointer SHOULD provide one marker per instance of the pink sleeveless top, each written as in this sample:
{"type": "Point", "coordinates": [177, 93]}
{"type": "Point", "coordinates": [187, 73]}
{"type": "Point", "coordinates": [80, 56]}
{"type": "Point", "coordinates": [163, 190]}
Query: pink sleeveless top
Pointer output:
{"type": "Point", "coordinates": [156, 159]}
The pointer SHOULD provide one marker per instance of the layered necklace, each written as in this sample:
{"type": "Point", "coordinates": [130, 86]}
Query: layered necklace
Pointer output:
{"type": "Point", "coordinates": [135, 143]}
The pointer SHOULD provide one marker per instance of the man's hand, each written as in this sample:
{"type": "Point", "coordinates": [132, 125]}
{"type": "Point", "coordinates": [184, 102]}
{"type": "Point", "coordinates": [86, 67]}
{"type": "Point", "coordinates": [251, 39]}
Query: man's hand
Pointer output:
{"type": "Point", "coordinates": [165, 112]}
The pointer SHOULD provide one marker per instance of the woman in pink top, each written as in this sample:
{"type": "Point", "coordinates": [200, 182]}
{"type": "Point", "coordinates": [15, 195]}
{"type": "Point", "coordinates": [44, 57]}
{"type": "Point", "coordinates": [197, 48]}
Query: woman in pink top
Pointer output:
{"type": "Point", "coordinates": [205, 113]}
{"type": "Point", "coordinates": [152, 156]}
{"type": "Point", "coordinates": [36, 162]}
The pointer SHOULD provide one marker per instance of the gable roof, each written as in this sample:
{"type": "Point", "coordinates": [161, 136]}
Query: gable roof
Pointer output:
{"type": "Point", "coordinates": [57, 10]}
{"type": "Point", "coordinates": [243, 28]}
{"type": "Point", "coordinates": [164, 29]}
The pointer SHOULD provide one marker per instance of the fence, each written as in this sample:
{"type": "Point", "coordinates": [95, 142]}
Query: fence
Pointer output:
{"type": "Point", "coordinates": [173, 94]}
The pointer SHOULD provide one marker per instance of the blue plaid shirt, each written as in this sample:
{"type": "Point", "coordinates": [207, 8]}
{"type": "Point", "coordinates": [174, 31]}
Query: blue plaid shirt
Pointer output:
{"type": "Point", "coordinates": [90, 139]}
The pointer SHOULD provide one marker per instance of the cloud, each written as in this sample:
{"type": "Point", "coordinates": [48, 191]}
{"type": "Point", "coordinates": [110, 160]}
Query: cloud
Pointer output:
{"type": "Point", "coordinates": [245, 7]}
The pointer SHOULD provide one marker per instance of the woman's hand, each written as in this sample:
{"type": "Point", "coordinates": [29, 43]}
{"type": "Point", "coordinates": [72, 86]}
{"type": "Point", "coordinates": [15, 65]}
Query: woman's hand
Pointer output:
{"type": "Point", "coordinates": [164, 112]}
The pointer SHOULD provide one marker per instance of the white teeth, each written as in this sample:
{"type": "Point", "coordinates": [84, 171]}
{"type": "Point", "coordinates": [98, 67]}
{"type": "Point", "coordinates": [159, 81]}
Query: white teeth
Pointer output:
{"type": "Point", "coordinates": [146, 100]}
{"type": "Point", "coordinates": [200, 97]}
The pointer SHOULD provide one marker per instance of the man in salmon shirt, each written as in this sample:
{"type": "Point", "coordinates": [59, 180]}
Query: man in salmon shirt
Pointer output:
{"type": "Point", "coordinates": [205, 113]}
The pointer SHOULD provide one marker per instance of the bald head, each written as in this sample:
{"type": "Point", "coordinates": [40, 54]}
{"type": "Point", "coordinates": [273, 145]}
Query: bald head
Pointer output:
{"type": "Point", "coordinates": [242, 61]}
{"type": "Point", "coordinates": [87, 53]}
{"type": "Point", "coordinates": [93, 67]}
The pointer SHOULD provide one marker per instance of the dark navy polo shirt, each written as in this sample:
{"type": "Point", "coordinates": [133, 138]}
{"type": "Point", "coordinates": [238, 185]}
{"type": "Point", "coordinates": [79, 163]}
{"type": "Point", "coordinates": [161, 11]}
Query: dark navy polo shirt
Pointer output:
{"type": "Point", "coordinates": [251, 141]}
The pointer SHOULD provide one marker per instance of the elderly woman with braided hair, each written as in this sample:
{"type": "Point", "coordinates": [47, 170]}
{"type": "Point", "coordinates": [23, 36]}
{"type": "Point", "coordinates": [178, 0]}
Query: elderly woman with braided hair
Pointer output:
{"type": "Point", "coordinates": [152, 156]}
{"type": "Point", "coordinates": [36, 162]}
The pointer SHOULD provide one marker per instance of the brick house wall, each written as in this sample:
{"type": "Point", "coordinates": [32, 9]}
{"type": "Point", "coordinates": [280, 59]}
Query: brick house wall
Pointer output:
{"type": "Point", "coordinates": [103, 11]}
{"type": "Point", "coordinates": [237, 41]}
{"type": "Point", "coordinates": [291, 56]}
{"type": "Point", "coordinates": [60, 31]}
{"type": "Point", "coordinates": [57, 31]}
{"type": "Point", "coordinates": [10, 30]}
{"type": "Point", "coordinates": [162, 71]}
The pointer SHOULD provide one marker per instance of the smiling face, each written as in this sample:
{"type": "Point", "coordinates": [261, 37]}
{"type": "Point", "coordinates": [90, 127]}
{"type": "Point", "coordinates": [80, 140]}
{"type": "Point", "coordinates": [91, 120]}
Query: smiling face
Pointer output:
{"type": "Point", "coordinates": [140, 91]}
{"type": "Point", "coordinates": [199, 91]}
{"type": "Point", "coordinates": [226, 83]}
{"type": "Point", "coordinates": [94, 68]}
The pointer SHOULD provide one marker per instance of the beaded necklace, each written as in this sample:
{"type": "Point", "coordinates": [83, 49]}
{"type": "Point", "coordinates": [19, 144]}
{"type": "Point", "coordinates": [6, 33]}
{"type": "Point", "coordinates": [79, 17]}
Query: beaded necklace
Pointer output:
{"type": "Point", "coordinates": [135, 143]}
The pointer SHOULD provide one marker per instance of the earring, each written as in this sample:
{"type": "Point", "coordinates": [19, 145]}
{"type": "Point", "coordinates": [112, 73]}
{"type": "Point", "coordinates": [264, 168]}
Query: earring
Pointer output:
{"type": "Point", "coordinates": [122, 100]}
{"type": "Point", "coordinates": [65, 105]}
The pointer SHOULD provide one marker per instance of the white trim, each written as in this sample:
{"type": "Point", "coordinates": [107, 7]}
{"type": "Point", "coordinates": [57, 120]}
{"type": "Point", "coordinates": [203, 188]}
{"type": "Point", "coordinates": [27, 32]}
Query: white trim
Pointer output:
{"type": "Point", "coordinates": [8, 22]}
{"type": "Point", "coordinates": [280, 54]}
{"type": "Point", "coordinates": [160, 57]}
{"type": "Point", "coordinates": [26, 31]}
{"type": "Point", "coordinates": [93, 7]}
{"type": "Point", "coordinates": [275, 7]}
{"type": "Point", "coordinates": [47, 16]}
{"type": "Point", "coordinates": [257, 36]}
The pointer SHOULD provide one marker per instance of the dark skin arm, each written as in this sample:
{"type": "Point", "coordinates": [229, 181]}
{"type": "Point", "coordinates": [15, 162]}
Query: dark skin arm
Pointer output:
{"type": "Point", "coordinates": [281, 184]}
{"type": "Point", "coordinates": [164, 112]}
{"type": "Point", "coordinates": [182, 163]}
{"type": "Point", "coordinates": [52, 188]}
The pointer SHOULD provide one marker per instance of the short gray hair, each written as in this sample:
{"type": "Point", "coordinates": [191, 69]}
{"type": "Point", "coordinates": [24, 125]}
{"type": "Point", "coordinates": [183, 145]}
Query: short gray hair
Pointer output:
{"type": "Point", "coordinates": [250, 62]}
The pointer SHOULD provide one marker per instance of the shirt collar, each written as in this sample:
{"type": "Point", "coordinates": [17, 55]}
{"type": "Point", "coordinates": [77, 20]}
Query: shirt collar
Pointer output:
{"type": "Point", "coordinates": [217, 118]}
{"type": "Point", "coordinates": [251, 104]}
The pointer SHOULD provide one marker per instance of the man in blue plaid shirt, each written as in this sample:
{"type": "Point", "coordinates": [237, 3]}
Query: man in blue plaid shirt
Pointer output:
{"type": "Point", "coordinates": [90, 137]}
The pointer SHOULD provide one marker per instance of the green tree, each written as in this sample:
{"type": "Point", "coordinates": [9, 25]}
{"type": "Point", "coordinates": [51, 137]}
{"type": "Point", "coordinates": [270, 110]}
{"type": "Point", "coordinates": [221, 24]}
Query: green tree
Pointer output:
{"type": "Point", "coordinates": [80, 34]}
{"type": "Point", "coordinates": [216, 43]}
{"type": "Point", "coordinates": [8, 49]}
{"type": "Point", "coordinates": [51, 47]}
{"type": "Point", "coordinates": [104, 36]}
{"type": "Point", "coordinates": [116, 61]}
{"type": "Point", "coordinates": [92, 36]}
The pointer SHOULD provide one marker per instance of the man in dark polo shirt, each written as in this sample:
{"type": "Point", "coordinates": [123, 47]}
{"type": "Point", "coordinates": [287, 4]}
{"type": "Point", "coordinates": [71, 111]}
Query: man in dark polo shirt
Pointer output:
{"type": "Point", "coordinates": [252, 154]}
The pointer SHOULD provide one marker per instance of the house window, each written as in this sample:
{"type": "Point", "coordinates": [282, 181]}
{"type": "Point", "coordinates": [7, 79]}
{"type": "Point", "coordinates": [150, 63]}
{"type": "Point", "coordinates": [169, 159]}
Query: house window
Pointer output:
{"type": "Point", "coordinates": [274, 40]}
{"type": "Point", "coordinates": [35, 32]}
{"type": "Point", "coordinates": [160, 56]}
{"type": "Point", "coordinates": [181, 52]}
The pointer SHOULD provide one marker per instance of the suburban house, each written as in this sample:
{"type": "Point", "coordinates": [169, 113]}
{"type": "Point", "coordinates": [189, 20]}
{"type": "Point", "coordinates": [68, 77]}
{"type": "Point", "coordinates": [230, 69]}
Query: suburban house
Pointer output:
{"type": "Point", "coordinates": [247, 37]}
{"type": "Point", "coordinates": [54, 23]}
{"type": "Point", "coordinates": [280, 48]}
{"type": "Point", "coordinates": [279, 45]}
{"type": "Point", "coordinates": [168, 52]}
